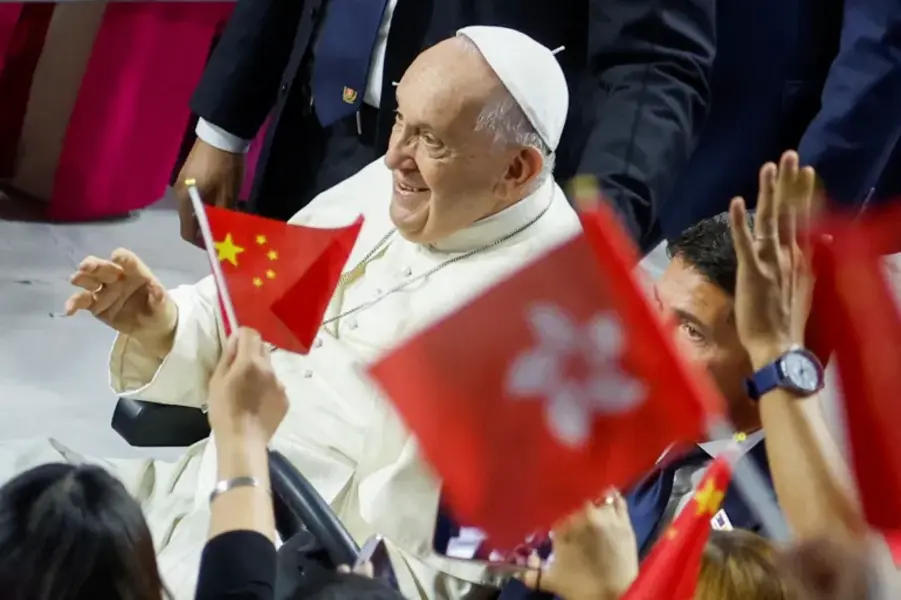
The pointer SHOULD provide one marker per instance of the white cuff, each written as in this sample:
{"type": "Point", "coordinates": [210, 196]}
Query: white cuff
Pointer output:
{"type": "Point", "coordinates": [183, 376]}
{"type": "Point", "coordinates": [219, 138]}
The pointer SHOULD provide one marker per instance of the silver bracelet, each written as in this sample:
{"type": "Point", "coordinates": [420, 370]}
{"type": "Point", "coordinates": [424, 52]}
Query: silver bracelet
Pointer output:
{"type": "Point", "coordinates": [226, 485]}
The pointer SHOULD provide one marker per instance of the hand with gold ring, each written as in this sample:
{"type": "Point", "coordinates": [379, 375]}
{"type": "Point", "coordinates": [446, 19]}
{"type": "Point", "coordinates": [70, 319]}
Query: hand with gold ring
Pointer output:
{"type": "Point", "coordinates": [595, 555]}
{"type": "Point", "coordinates": [774, 281]}
{"type": "Point", "coordinates": [125, 295]}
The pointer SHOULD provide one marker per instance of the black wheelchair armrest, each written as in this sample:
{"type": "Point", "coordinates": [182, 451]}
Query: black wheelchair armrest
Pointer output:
{"type": "Point", "coordinates": [299, 506]}
{"type": "Point", "coordinates": [152, 425]}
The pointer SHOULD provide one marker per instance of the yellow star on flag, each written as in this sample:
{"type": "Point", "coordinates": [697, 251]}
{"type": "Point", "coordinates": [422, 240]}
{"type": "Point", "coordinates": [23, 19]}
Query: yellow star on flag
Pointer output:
{"type": "Point", "coordinates": [227, 250]}
{"type": "Point", "coordinates": [272, 255]}
{"type": "Point", "coordinates": [709, 499]}
{"type": "Point", "coordinates": [270, 274]}
{"type": "Point", "coordinates": [261, 240]}
{"type": "Point", "coordinates": [257, 282]}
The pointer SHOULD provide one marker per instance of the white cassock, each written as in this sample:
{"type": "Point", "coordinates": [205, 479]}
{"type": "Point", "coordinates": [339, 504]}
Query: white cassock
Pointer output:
{"type": "Point", "coordinates": [339, 432]}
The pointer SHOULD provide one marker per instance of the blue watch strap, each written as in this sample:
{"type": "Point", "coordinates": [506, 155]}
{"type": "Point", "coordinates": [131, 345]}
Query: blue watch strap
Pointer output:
{"type": "Point", "coordinates": [765, 380]}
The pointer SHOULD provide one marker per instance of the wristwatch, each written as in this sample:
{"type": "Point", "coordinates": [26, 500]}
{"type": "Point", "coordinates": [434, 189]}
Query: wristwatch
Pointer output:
{"type": "Point", "coordinates": [797, 371]}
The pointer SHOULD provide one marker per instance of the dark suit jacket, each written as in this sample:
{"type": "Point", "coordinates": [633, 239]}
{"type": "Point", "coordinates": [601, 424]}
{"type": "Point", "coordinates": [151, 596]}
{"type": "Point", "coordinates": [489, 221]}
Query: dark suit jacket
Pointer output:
{"type": "Point", "coordinates": [822, 76]}
{"type": "Point", "coordinates": [638, 76]}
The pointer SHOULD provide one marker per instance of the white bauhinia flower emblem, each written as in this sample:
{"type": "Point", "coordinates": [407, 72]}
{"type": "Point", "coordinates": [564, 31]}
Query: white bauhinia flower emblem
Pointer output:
{"type": "Point", "coordinates": [550, 370]}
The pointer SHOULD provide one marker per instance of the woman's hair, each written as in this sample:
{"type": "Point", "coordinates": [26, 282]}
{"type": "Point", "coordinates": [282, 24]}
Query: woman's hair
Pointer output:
{"type": "Point", "coordinates": [72, 532]}
{"type": "Point", "coordinates": [740, 565]}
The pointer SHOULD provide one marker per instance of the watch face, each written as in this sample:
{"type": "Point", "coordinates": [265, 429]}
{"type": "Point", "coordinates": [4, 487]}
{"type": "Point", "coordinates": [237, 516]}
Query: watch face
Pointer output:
{"type": "Point", "coordinates": [801, 371]}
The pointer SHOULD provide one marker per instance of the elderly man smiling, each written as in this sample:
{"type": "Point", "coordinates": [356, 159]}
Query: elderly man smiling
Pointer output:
{"type": "Point", "coordinates": [463, 196]}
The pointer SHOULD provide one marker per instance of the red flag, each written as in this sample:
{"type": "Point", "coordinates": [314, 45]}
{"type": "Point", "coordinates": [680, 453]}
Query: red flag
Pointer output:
{"type": "Point", "coordinates": [671, 570]}
{"type": "Point", "coordinates": [547, 389]}
{"type": "Point", "coordinates": [280, 277]}
{"type": "Point", "coordinates": [883, 226]}
{"type": "Point", "coordinates": [860, 312]}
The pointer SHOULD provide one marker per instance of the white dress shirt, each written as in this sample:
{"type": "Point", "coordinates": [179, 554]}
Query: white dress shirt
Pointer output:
{"type": "Point", "coordinates": [219, 138]}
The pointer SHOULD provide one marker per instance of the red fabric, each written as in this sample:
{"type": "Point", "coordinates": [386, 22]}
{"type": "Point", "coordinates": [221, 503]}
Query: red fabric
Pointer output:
{"type": "Point", "coordinates": [861, 313]}
{"type": "Point", "coordinates": [883, 226]}
{"type": "Point", "coordinates": [280, 277]}
{"type": "Point", "coordinates": [504, 466]}
{"type": "Point", "coordinates": [674, 563]}
{"type": "Point", "coordinates": [132, 108]}
{"type": "Point", "coordinates": [23, 29]}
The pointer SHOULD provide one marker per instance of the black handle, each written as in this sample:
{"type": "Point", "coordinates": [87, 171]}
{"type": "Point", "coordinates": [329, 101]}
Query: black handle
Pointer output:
{"type": "Point", "coordinates": [304, 502]}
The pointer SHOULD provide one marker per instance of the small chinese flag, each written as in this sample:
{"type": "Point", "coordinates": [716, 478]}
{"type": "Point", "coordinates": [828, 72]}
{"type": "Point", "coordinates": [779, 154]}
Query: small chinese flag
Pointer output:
{"type": "Point", "coordinates": [551, 387]}
{"type": "Point", "coordinates": [280, 277]}
{"type": "Point", "coordinates": [671, 570]}
{"type": "Point", "coordinates": [860, 310]}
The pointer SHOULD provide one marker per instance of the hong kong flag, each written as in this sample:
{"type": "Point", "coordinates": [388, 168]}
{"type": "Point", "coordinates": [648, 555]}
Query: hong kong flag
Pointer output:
{"type": "Point", "coordinates": [552, 386]}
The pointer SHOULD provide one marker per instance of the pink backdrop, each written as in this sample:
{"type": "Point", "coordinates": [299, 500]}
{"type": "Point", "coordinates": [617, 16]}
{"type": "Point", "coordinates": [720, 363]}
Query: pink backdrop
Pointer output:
{"type": "Point", "coordinates": [129, 117]}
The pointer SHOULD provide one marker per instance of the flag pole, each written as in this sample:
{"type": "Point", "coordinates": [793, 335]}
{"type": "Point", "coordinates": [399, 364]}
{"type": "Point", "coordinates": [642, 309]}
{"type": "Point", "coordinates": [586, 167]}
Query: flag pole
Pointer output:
{"type": "Point", "coordinates": [752, 485]}
{"type": "Point", "coordinates": [207, 233]}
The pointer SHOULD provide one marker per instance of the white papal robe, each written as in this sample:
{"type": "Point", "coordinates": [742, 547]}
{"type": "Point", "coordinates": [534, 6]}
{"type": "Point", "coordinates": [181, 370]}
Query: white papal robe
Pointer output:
{"type": "Point", "coordinates": [339, 431]}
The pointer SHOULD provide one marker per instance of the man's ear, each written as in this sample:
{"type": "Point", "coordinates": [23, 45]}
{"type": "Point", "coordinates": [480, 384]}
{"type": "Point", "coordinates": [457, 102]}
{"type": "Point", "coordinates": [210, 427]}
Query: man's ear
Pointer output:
{"type": "Point", "coordinates": [524, 167]}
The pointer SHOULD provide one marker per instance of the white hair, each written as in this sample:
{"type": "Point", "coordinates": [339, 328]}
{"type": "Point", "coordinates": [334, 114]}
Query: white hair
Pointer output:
{"type": "Point", "coordinates": [509, 126]}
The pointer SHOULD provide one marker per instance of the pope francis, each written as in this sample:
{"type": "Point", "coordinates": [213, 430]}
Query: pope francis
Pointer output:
{"type": "Point", "coordinates": [464, 196]}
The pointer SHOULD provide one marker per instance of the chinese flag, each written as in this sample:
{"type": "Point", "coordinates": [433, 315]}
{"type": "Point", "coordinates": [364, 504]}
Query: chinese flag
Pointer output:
{"type": "Point", "coordinates": [860, 311]}
{"type": "Point", "coordinates": [675, 562]}
{"type": "Point", "coordinates": [552, 386]}
{"type": "Point", "coordinates": [280, 277]}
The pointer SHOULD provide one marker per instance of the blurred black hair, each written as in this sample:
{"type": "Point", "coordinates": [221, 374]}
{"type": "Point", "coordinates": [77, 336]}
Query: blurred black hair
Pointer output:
{"type": "Point", "coordinates": [707, 247]}
{"type": "Point", "coordinates": [72, 532]}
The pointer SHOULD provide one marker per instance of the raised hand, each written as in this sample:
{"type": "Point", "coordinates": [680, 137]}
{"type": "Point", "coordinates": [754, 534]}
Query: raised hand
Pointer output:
{"type": "Point", "coordinates": [217, 175]}
{"type": "Point", "coordinates": [122, 293]}
{"type": "Point", "coordinates": [774, 282]}
{"type": "Point", "coordinates": [246, 398]}
{"type": "Point", "coordinates": [595, 554]}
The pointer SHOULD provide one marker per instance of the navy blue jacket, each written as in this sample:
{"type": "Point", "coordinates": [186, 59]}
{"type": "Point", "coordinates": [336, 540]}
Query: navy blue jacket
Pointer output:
{"type": "Point", "coordinates": [822, 76]}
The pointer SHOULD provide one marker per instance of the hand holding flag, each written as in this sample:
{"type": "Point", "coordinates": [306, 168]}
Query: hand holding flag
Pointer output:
{"type": "Point", "coordinates": [274, 277]}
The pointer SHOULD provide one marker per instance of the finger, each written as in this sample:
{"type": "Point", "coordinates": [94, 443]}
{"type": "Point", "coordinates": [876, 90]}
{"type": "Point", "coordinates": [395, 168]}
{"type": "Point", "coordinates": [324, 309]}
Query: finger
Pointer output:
{"type": "Point", "coordinates": [767, 209]}
{"type": "Point", "coordinates": [621, 506]}
{"type": "Point", "coordinates": [106, 297]}
{"type": "Point", "coordinates": [343, 569]}
{"type": "Point", "coordinates": [532, 577]}
{"type": "Point", "coordinates": [789, 194]}
{"type": "Point", "coordinates": [229, 353]}
{"type": "Point", "coordinates": [248, 343]}
{"type": "Point", "coordinates": [103, 270]}
{"type": "Point", "coordinates": [129, 262]}
{"type": "Point", "coordinates": [85, 281]}
{"type": "Point", "coordinates": [79, 301]}
{"type": "Point", "coordinates": [741, 233]}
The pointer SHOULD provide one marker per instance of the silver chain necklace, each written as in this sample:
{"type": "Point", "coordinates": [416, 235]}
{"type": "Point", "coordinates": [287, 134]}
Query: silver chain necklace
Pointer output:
{"type": "Point", "coordinates": [381, 244]}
